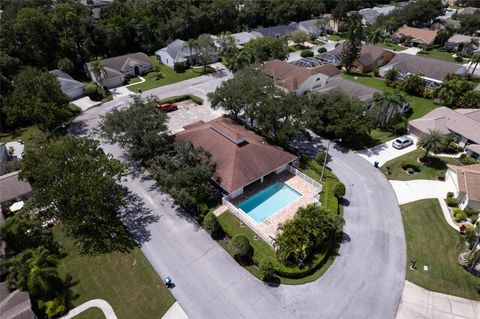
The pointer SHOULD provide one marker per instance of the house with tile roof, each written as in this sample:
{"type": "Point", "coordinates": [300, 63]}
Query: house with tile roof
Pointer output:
{"type": "Point", "coordinates": [277, 31]}
{"type": "Point", "coordinates": [313, 27]}
{"type": "Point", "coordinates": [177, 52]}
{"type": "Point", "coordinates": [433, 71]}
{"type": "Point", "coordinates": [293, 78]}
{"type": "Point", "coordinates": [241, 156]}
{"type": "Point", "coordinates": [370, 57]}
{"type": "Point", "coordinates": [70, 87]}
{"type": "Point", "coordinates": [467, 182]}
{"type": "Point", "coordinates": [460, 42]}
{"type": "Point", "coordinates": [418, 36]}
{"type": "Point", "coordinates": [362, 92]}
{"type": "Point", "coordinates": [119, 67]}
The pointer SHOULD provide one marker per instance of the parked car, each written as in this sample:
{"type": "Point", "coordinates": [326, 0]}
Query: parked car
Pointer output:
{"type": "Point", "coordinates": [167, 107]}
{"type": "Point", "coordinates": [402, 142]}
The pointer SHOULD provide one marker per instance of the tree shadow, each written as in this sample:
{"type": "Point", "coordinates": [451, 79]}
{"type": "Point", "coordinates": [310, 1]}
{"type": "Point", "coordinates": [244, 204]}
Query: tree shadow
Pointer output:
{"type": "Point", "coordinates": [136, 218]}
{"type": "Point", "coordinates": [78, 129]}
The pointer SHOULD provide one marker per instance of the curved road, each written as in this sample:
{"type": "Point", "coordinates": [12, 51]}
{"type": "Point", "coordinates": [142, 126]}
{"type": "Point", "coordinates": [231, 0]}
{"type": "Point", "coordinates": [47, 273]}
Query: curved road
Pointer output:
{"type": "Point", "coordinates": [365, 281]}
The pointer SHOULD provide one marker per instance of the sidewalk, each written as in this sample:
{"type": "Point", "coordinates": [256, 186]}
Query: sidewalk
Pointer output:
{"type": "Point", "coordinates": [418, 302]}
{"type": "Point", "coordinates": [175, 312]}
{"type": "Point", "coordinates": [99, 303]}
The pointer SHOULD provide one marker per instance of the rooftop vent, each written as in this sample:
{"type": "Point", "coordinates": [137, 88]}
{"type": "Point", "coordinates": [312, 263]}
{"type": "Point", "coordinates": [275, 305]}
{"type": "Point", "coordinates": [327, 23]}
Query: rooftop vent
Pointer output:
{"type": "Point", "coordinates": [229, 135]}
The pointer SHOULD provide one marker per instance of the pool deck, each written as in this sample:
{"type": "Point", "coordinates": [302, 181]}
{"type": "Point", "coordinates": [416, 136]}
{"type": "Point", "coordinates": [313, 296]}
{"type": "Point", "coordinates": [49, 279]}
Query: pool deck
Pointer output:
{"type": "Point", "coordinates": [272, 224]}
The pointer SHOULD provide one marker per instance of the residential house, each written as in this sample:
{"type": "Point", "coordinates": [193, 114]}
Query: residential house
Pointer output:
{"type": "Point", "coordinates": [70, 87]}
{"type": "Point", "coordinates": [370, 57]}
{"type": "Point", "coordinates": [446, 18]}
{"type": "Point", "coordinates": [10, 154]}
{"type": "Point", "coordinates": [13, 189]}
{"type": "Point", "coordinates": [417, 36]}
{"type": "Point", "coordinates": [362, 92]}
{"type": "Point", "coordinates": [15, 304]}
{"type": "Point", "coordinates": [370, 15]}
{"type": "Point", "coordinates": [177, 52]}
{"type": "Point", "coordinates": [335, 25]}
{"type": "Point", "coordinates": [331, 57]}
{"type": "Point", "coordinates": [293, 78]}
{"type": "Point", "coordinates": [468, 10]}
{"type": "Point", "coordinates": [241, 156]}
{"type": "Point", "coordinates": [463, 124]}
{"type": "Point", "coordinates": [467, 182]}
{"type": "Point", "coordinates": [116, 69]}
{"type": "Point", "coordinates": [314, 27]}
{"type": "Point", "coordinates": [241, 38]}
{"type": "Point", "coordinates": [460, 42]}
{"type": "Point", "coordinates": [433, 71]}
{"type": "Point", "coordinates": [277, 31]}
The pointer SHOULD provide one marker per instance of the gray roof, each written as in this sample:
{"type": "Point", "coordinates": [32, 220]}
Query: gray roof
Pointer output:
{"type": "Point", "coordinates": [369, 15]}
{"type": "Point", "coordinates": [430, 68]}
{"type": "Point", "coordinates": [178, 50]}
{"type": "Point", "coordinates": [310, 25]}
{"type": "Point", "coordinates": [351, 88]}
{"type": "Point", "coordinates": [15, 304]}
{"type": "Point", "coordinates": [244, 37]}
{"type": "Point", "coordinates": [116, 65]}
{"type": "Point", "coordinates": [468, 10]}
{"type": "Point", "coordinates": [460, 38]}
{"type": "Point", "coordinates": [276, 31]}
{"type": "Point", "coordinates": [447, 120]}
{"type": "Point", "coordinates": [12, 187]}
{"type": "Point", "coordinates": [67, 83]}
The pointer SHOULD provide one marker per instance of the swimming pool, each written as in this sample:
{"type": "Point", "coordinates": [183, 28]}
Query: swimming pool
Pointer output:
{"type": "Point", "coordinates": [269, 201]}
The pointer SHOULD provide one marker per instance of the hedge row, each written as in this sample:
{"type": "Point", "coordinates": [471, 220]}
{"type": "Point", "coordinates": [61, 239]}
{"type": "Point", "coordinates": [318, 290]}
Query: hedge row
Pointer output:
{"type": "Point", "coordinates": [173, 99]}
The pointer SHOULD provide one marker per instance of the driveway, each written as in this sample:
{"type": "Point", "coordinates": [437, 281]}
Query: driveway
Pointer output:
{"type": "Point", "coordinates": [421, 303]}
{"type": "Point", "coordinates": [412, 51]}
{"type": "Point", "coordinates": [386, 152]}
{"type": "Point", "coordinates": [365, 281]}
{"type": "Point", "coordinates": [410, 191]}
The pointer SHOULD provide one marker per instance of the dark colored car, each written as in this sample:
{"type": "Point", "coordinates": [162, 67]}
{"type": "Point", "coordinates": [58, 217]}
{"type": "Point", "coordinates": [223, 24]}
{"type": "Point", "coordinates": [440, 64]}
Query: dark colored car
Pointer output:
{"type": "Point", "coordinates": [167, 107]}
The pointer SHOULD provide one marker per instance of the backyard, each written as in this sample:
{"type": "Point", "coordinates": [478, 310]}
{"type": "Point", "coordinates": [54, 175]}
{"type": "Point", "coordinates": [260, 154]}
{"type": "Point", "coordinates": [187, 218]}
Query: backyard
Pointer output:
{"type": "Point", "coordinates": [169, 76]}
{"type": "Point", "coordinates": [390, 46]}
{"type": "Point", "coordinates": [440, 55]}
{"type": "Point", "coordinates": [291, 274]}
{"type": "Point", "coordinates": [438, 248]}
{"type": "Point", "coordinates": [125, 280]}
{"type": "Point", "coordinates": [430, 171]}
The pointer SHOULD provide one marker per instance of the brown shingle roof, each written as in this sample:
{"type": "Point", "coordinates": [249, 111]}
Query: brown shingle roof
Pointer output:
{"type": "Point", "coordinates": [446, 121]}
{"type": "Point", "coordinates": [425, 35]}
{"type": "Point", "coordinates": [468, 180]}
{"type": "Point", "coordinates": [368, 53]}
{"type": "Point", "coordinates": [11, 187]}
{"type": "Point", "coordinates": [291, 76]}
{"type": "Point", "coordinates": [240, 155]}
{"type": "Point", "coordinates": [362, 92]}
{"type": "Point", "coordinates": [114, 66]}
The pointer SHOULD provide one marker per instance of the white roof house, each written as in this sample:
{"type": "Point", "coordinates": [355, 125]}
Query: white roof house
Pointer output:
{"type": "Point", "coordinates": [176, 52]}
{"type": "Point", "coordinates": [70, 87]}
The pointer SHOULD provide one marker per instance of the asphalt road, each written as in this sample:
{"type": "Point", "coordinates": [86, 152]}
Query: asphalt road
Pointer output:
{"type": "Point", "coordinates": [365, 281]}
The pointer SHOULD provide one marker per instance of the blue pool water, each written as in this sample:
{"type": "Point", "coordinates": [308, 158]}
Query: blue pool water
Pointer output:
{"type": "Point", "coordinates": [269, 201]}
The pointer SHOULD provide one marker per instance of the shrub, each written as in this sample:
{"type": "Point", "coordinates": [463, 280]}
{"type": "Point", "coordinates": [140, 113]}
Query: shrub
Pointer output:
{"type": "Point", "coordinates": [306, 53]}
{"type": "Point", "coordinates": [241, 249]}
{"type": "Point", "coordinates": [474, 218]}
{"type": "Point", "coordinates": [458, 58]}
{"type": "Point", "coordinates": [179, 67]}
{"type": "Point", "coordinates": [452, 202]}
{"type": "Point", "coordinates": [55, 307]}
{"type": "Point", "coordinates": [391, 76]}
{"type": "Point", "coordinates": [460, 216]}
{"type": "Point", "coordinates": [158, 75]}
{"type": "Point", "coordinates": [320, 157]}
{"type": "Point", "coordinates": [91, 90]}
{"type": "Point", "coordinates": [413, 85]}
{"type": "Point", "coordinates": [211, 224]}
{"type": "Point", "coordinates": [441, 175]}
{"type": "Point", "coordinates": [469, 211]}
{"type": "Point", "coordinates": [414, 166]}
{"type": "Point", "coordinates": [322, 50]}
{"type": "Point", "coordinates": [427, 93]}
{"type": "Point", "coordinates": [266, 267]}
{"type": "Point", "coordinates": [196, 99]}
{"type": "Point", "coordinates": [467, 160]}
{"type": "Point", "coordinates": [401, 128]}
{"type": "Point", "coordinates": [450, 194]}
{"type": "Point", "coordinates": [66, 65]}
{"type": "Point", "coordinates": [179, 98]}
{"type": "Point", "coordinates": [339, 190]}
{"type": "Point", "coordinates": [423, 52]}
{"type": "Point", "coordinates": [451, 148]}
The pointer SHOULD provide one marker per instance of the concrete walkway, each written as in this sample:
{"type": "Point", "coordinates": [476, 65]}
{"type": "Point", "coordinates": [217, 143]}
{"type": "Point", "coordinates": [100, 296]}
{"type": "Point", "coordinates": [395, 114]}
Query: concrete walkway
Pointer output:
{"type": "Point", "coordinates": [175, 312]}
{"type": "Point", "coordinates": [412, 51]}
{"type": "Point", "coordinates": [98, 303]}
{"type": "Point", "coordinates": [418, 302]}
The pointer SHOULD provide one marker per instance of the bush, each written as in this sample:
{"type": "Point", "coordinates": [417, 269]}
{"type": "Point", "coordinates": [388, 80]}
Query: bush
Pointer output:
{"type": "Point", "coordinates": [339, 190]}
{"type": "Point", "coordinates": [306, 54]}
{"type": "Point", "coordinates": [266, 267]}
{"type": "Point", "coordinates": [179, 67]}
{"type": "Point", "coordinates": [211, 224]}
{"type": "Point", "coordinates": [452, 202]}
{"type": "Point", "coordinates": [401, 128]}
{"type": "Point", "coordinates": [460, 216]}
{"type": "Point", "coordinates": [451, 148]}
{"type": "Point", "coordinates": [441, 175]}
{"type": "Point", "coordinates": [458, 58]}
{"type": "Point", "coordinates": [469, 211]}
{"type": "Point", "coordinates": [91, 90]}
{"type": "Point", "coordinates": [467, 160]}
{"type": "Point", "coordinates": [158, 75]}
{"type": "Point", "coordinates": [241, 249]}
{"type": "Point", "coordinates": [427, 93]}
{"type": "Point", "coordinates": [414, 166]}
{"type": "Point", "coordinates": [450, 194]}
{"type": "Point", "coordinates": [179, 98]}
{"type": "Point", "coordinates": [322, 50]}
{"type": "Point", "coordinates": [474, 218]}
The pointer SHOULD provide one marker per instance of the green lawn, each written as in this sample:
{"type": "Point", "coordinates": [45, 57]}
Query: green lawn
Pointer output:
{"type": "Point", "coordinates": [390, 46]}
{"type": "Point", "coordinates": [427, 171]}
{"type": "Point", "coordinates": [336, 37]}
{"type": "Point", "coordinates": [440, 55]}
{"type": "Point", "coordinates": [431, 242]}
{"type": "Point", "coordinates": [321, 260]}
{"type": "Point", "coordinates": [91, 313]}
{"type": "Point", "coordinates": [126, 280]}
{"type": "Point", "coordinates": [419, 105]}
{"type": "Point", "coordinates": [170, 76]}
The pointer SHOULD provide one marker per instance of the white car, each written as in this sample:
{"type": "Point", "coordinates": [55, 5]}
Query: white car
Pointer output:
{"type": "Point", "coordinates": [402, 142]}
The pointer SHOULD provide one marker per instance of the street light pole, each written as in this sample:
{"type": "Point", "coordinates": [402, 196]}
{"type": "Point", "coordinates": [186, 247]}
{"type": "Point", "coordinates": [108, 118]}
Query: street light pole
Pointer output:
{"type": "Point", "coordinates": [326, 157]}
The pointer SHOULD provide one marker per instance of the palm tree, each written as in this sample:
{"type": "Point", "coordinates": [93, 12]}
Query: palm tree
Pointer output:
{"type": "Point", "coordinates": [98, 70]}
{"type": "Point", "coordinates": [191, 44]}
{"type": "Point", "coordinates": [375, 36]}
{"type": "Point", "coordinates": [33, 270]}
{"type": "Point", "coordinates": [433, 141]}
{"type": "Point", "coordinates": [476, 60]}
{"type": "Point", "coordinates": [388, 104]}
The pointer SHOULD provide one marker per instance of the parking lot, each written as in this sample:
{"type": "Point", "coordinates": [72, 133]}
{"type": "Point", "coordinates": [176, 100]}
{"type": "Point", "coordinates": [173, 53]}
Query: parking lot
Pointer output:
{"type": "Point", "coordinates": [188, 113]}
